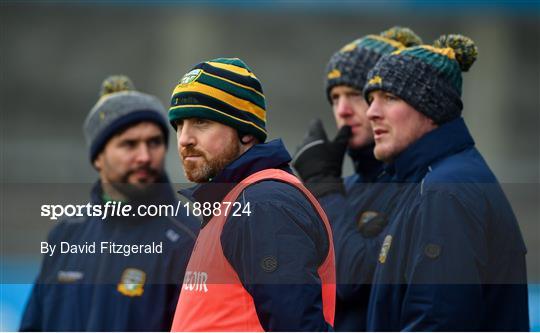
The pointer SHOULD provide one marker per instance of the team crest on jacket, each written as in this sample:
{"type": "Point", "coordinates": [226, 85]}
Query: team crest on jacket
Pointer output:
{"type": "Point", "coordinates": [385, 248]}
{"type": "Point", "coordinates": [132, 282]}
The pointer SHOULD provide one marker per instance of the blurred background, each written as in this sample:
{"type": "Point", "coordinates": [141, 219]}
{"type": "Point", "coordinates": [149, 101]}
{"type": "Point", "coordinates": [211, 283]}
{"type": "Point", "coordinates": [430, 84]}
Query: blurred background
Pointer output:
{"type": "Point", "coordinates": [54, 56]}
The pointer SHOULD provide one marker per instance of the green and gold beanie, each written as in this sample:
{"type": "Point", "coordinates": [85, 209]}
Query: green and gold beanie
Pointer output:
{"type": "Point", "coordinates": [351, 64]}
{"type": "Point", "coordinates": [224, 90]}
{"type": "Point", "coordinates": [427, 77]}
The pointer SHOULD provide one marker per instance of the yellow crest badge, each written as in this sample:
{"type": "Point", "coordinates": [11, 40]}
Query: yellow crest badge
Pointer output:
{"type": "Point", "coordinates": [132, 282]}
{"type": "Point", "coordinates": [385, 248]}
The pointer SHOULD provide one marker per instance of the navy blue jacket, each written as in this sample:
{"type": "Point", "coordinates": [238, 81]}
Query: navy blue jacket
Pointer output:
{"type": "Point", "coordinates": [83, 292]}
{"type": "Point", "coordinates": [364, 203]}
{"type": "Point", "coordinates": [283, 229]}
{"type": "Point", "coordinates": [453, 258]}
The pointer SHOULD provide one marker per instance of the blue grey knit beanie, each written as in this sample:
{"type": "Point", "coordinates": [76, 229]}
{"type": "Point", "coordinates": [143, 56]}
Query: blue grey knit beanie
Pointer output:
{"type": "Point", "coordinates": [119, 107]}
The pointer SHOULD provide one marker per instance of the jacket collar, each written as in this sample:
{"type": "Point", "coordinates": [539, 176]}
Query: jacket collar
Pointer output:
{"type": "Point", "coordinates": [366, 166]}
{"type": "Point", "coordinates": [412, 164]}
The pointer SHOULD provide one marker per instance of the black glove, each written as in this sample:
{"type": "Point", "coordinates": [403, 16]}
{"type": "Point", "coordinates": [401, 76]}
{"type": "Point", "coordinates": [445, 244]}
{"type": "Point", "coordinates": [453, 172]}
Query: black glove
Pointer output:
{"type": "Point", "coordinates": [319, 161]}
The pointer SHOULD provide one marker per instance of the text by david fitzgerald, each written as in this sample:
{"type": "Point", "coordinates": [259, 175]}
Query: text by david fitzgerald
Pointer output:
{"type": "Point", "coordinates": [102, 248]}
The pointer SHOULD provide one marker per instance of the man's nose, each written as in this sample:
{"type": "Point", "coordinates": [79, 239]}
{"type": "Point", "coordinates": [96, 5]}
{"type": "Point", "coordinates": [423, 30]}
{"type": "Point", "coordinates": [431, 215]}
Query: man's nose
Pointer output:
{"type": "Point", "coordinates": [343, 108]}
{"type": "Point", "coordinates": [374, 110]}
{"type": "Point", "coordinates": [185, 137]}
{"type": "Point", "coordinates": [143, 153]}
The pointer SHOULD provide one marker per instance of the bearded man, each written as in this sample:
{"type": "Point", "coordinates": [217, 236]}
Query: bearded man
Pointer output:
{"type": "Point", "coordinates": [127, 134]}
{"type": "Point", "coordinates": [268, 262]}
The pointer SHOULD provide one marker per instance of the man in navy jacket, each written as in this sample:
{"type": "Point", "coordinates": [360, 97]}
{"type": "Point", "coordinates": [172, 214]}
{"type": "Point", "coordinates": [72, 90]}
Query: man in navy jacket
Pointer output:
{"type": "Point", "coordinates": [267, 263]}
{"type": "Point", "coordinates": [107, 288]}
{"type": "Point", "coordinates": [357, 207]}
{"type": "Point", "coordinates": [453, 258]}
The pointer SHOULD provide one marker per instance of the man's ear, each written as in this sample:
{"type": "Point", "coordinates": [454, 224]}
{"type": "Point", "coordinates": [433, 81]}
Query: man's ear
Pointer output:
{"type": "Point", "coordinates": [247, 139]}
{"type": "Point", "coordinates": [98, 162]}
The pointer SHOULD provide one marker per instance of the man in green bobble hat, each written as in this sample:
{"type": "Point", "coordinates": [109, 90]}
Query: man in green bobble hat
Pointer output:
{"type": "Point", "coordinates": [453, 258]}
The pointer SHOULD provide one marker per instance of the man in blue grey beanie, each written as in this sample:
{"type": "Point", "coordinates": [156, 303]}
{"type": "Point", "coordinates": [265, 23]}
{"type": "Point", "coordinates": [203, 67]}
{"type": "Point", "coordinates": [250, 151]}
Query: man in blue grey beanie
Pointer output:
{"type": "Point", "coordinates": [122, 109]}
{"type": "Point", "coordinates": [126, 132]}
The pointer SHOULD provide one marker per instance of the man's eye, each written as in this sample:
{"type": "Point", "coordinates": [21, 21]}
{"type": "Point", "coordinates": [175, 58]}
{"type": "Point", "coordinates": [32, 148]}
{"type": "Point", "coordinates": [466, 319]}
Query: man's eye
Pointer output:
{"type": "Point", "coordinates": [179, 125]}
{"type": "Point", "coordinates": [390, 97]}
{"type": "Point", "coordinates": [155, 142]}
{"type": "Point", "coordinates": [129, 144]}
{"type": "Point", "coordinates": [201, 121]}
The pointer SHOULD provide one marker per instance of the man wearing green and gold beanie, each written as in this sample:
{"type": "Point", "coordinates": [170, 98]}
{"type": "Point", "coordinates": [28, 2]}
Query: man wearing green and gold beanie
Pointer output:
{"type": "Point", "coordinates": [453, 258]}
{"type": "Point", "coordinates": [264, 258]}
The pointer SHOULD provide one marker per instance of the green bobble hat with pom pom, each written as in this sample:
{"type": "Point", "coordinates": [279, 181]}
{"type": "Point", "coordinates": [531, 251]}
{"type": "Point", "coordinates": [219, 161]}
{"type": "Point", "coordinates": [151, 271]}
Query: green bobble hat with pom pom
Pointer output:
{"type": "Point", "coordinates": [427, 77]}
{"type": "Point", "coordinates": [119, 107]}
{"type": "Point", "coordinates": [350, 65]}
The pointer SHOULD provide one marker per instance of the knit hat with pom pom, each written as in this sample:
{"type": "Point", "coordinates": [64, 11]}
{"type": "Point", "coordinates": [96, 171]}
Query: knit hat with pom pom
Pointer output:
{"type": "Point", "coordinates": [426, 77]}
{"type": "Point", "coordinates": [350, 65]}
{"type": "Point", "coordinates": [119, 107]}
